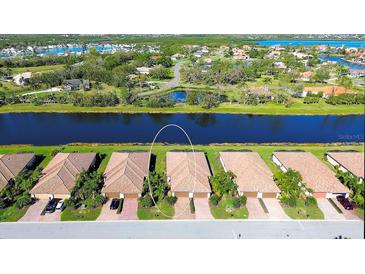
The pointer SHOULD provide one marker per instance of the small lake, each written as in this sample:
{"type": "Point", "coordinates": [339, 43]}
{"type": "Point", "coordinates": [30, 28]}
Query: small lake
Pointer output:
{"type": "Point", "coordinates": [325, 58]}
{"type": "Point", "coordinates": [332, 43]}
{"type": "Point", "coordinates": [178, 96]}
{"type": "Point", "coordinates": [62, 128]}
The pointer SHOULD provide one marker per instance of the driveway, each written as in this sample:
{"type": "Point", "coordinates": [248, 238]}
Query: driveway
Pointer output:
{"type": "Point", "coordinates": [107, 214]}
{"type": "Point", "coordinates": [348, 214]}
{"type": "Point", "coordinates": [182, 209]}
{"type": "Point", "coordinates": [33, 213]}
{"type": "Point", "coordinates": [129, 211]}
{"type": "Point", "coordinates": [275, 209]}
{"type": "Point", "coordinates": [255, 210]}
{"type": "Point", "coordinates": [330, 213]}
{"type": "Point", "coordinates": [51, 217]}
{"type": "Point", "coordinates": [202, 209]}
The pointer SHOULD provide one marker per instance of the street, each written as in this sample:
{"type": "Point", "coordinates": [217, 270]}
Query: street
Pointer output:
{"type": "Point", "coordinates": [248, 229]}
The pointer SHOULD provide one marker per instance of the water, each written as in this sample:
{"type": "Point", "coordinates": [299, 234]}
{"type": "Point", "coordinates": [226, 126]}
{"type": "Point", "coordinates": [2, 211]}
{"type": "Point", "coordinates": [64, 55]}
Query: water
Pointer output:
{"type": "Point", "coordinates": [325, 58]}
{"type": "Point", "coordinates": [62, 128]}
{"type": "Point", "coordinates": [337, 43]}
{"type": "Point", "coordinates": [178, 96]}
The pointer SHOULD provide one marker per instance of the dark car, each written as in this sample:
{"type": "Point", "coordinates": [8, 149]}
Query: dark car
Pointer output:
{"type": "Point", "coordinates": [114, 204]}
{"type": "Point", "coordinates": [51, 206]}
{"type": "Point", "coordinates": [345, 203]}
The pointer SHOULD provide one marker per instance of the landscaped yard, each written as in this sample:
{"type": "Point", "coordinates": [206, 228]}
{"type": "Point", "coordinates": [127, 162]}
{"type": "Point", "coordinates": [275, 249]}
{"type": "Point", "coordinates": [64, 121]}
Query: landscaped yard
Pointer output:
{"type": "Point", "coordinates": [226, 210]}
{"type": "Point", "coordinates": [87, 214]}
{"type": "Point", "coordinates": [153, 213]}
{"type": "Point", "coordinates": [360, 212]}
{"type": "Point", "coordinates": [12, 214]}
{"type": "Point", "coordinates": [303, 212]}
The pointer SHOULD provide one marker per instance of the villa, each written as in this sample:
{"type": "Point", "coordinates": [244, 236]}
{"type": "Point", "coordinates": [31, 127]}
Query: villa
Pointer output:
{"type": "Point", "coordinates": [348, 161]}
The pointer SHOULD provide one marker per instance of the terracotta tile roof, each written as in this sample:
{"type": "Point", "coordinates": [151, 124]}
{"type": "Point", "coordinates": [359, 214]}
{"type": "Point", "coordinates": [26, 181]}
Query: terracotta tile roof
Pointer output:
{"type": "Point", "coordinates": [252, 174]}
{"type": "Point", "coordinates": [315, 174]}
{"type": "Point", "coordinates": [125, 172]}
{"type": "Point", "coordinates": [352, 161]}
{"type": "Point", "coordinates": [188, 173]}
{"type": "Point", "coordinates": [328, 90]}
{"type": "Point", "coordinates": [59, 176]}
{"type": "Point", "coordinates": [11, 165]}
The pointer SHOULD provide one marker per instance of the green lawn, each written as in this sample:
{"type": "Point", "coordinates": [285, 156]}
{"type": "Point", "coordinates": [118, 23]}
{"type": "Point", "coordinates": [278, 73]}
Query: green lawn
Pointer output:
{"type": "Point", "coordinates": [360, 212]}
{"type": "Point", "coordinates": [12, 214]}
{"type": "Point", "coordinates": [37, 69]}
{"type": "Point", "coordinates": [225, 210]}
{"type": "Point", "coordinates": [153, 213]}
{"type": "Point", "coordinates": [87, 214]}
{"type": "Point", "coordinates": [304, 212]}
{"type": "Point", "coordinates": [234, 108]}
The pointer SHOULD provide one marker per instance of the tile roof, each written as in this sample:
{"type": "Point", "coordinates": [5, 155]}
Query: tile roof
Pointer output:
{"type": "Point", "coordinates": [352, 161]}
{"type": "Point", "coordinates": [252, 174]}
{"type": "Point", "coordinates": [125, 172]}
{"type": "Point", "coordinates": [11, 165]}
{"type": "Point", "coordinates": [59, 176]}
{"type": "Point", "coordinates": [188, 172]}
{"type": "Point", "coordinates": [315, 174]}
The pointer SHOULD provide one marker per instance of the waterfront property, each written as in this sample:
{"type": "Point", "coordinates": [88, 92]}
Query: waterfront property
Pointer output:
{"type": "Point", "coordinates": [59, 176]}
{"type": "Point", "coordinates": [188, 174]}
{"type": "Point", "coordinates": [348, 161]}
{"type": "Point", "coordinates": [253, 176]}
{"type": "Point", "coordinates": [12, 164]}
{"type": "Point", "coordinates": [315, 174]}
{"type": "Point", "coordinates": [125, 174]}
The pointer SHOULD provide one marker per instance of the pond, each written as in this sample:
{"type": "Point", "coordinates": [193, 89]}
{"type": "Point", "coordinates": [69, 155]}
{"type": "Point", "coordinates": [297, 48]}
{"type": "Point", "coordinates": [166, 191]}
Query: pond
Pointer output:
{"type": "Point", "coordinates": [63, 128]}
{"type": "Point", "coordinates": [178, 96]}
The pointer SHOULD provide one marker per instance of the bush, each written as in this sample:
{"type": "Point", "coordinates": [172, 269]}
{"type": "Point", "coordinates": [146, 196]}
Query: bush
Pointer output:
{"type": "Point", "coordinates": [292, 202]}
{"type": "Point", "coordinates": [171, 200]}
{"type": "Point", "coordinates": [146, 201]}
{"type": "Point", "coordinates": [236, 202]}
{"type": "Point", "coordinates": [23, 201]}
{"type": "Point", "coordinates": [243, 200]}
{"type": "Point", "coordinates": [192, 206]}
{"type": "Point", "coordinates": [214, 199]}
{"type": "Point", "coordinates": [310, 201]}
{"type": "Point", "coordinates": [70, 203]}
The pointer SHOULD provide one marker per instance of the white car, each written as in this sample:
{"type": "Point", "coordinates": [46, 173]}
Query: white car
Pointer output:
{"type": "Point", "coordinates": [60, 205]}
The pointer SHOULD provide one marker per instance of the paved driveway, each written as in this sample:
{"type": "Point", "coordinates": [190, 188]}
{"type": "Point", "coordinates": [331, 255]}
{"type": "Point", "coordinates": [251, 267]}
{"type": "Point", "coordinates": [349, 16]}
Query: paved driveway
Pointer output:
{"type": "Point", "coordinates": [275, 209]}
{"type": "Point", "coordinates": [107, 214]}
{"type": "Point", "coordinates": [255, 210]}
{"type": "Point", "coordinates": [202, 209]}
{"type": "Point", "coordinates": [51, 217]}
{"type": "Point", "coordinates": [129, 211]}
{"type": "Point", "coordinates": [330, 213]}
{"type": "Point", "coordinates": [348, 214]}
{"type": "Point", "coordinates": [33, 213]}
{"type": "Point", "coordinates": [182, 209]}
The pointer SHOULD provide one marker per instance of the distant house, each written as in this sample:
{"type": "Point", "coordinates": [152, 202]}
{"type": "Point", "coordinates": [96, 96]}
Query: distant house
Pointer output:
{"type": "Point", "coordinates": [279, 65]}
{"type": "Point", "coordinates": [12, 164]}
{"type": "Point", "coordinates": [143, 70]}
{"type": "Point", "coordinates": [325, 90]}
{"type": "Point", "coordinates": [177, 56]}
{"type": "Point", "coordinates": [356, 73]}
{"type": "Point", "coordinates": [22, 78]}
{"type": "Point", "coordinates": [305, 76]}
{"type": "Point", "coordinates": [77, 84]}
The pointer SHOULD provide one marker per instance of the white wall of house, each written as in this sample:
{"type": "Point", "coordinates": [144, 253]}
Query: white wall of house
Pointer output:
{"type": "Point", "coordinates": [278, 163]}
{"type": "Point", "coordinates": [224, 167]}
{"type": "Point", "coordinates": [340, 167]}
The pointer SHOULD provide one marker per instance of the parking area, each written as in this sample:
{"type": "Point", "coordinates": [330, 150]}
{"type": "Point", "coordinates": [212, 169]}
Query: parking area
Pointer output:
{"type": "Point", "coordinates": [107, 214]}
{"type": "Point", "coordinates": [202, 209]}
{"type": "Point", "coordinates": [255, 210]}
{"type": "Point", "coordinates": [33, 213]}
{"type": "Point", "coordinates": [275, 209]}
{"type": "Point", "coordinates": [182, 209]}
{"type": "Point", "coordinates": [329, 211]}
{"type": "Point", "coordinates": [348, 214]}
{"type": "Point", "coordinates": [129, 211]}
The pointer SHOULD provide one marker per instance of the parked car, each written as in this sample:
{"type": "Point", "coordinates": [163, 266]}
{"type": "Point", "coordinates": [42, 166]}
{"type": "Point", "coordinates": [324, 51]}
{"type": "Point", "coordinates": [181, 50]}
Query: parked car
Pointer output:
{"type": "Point", "coordinates": [60, 205]}
{"type": "Point", "coordinates": [345, 203]}
{"type": "Point", "coordinates": [114, 204]}
{"type": "Point", "coordinates": [51, 206]}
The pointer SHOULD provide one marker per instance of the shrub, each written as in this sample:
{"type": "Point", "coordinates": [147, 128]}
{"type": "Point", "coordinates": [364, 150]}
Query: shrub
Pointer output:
{"type": "Point", "coordinates": [23, 201]}
{"type": "Point", "coordinates": [236, 202]}
{"type": "Point", "coordinates": [243, 200]}
{"type": "Point", "coordinates": [192, 206]}
{"type": "Point", "coordinates": [214, 199]}
{"type": "Point", "coordinates": [292, 202]}
{"type": "Point", "coordinates": [70, 203]}
{"type": "Point", "coordinates": [146, 201]}
{"type": "Point", "coordinates": [310, 201]}
{"type": "Point", "coordinates": [2, 203]}
{"type": "Point", "coordinates": [171, 200]}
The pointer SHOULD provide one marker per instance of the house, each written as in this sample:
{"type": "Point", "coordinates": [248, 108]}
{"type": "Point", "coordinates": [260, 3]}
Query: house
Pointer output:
{"type": "Point", "coordinates": [177, 56]}
{"type": "Point", "coordinates": [253, 176]}
{"type": "Point", "coordinates": [357, 73]}
{"type": "Point", "coordinates": [325, 90]}
{"type": "Point", "coordinates": [77, 84]}
{"type": "Point", "coordinates": [306, 76]}
{"type": "Point", "coordinates": [315, 174]}
{"type": "Point", "coordinates": [12, 164]}
{"type": "Point", "coordinates": [279, 65]}
{"type": "Point", "coordinates": [188, 174]}
{"type": "Point", "coordinates": [125, 174]}
{"type": "Point", "coordinates": [143, 70]}
{"type": "Point", "coordinates": [22, 78]}
{"type": "Point", "coordinates": [59, 177]}
{"type": "Point", "coordinates": [348, 161]}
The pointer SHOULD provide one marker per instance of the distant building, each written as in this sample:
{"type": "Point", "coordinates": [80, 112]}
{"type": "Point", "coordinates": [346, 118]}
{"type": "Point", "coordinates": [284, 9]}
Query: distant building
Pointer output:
{"type": "Point", "coordinates": [22, 78]}
{"type": "Point", "coordinates": [143, 70]}
{"type": "Point", "coordinates": [77, 84]}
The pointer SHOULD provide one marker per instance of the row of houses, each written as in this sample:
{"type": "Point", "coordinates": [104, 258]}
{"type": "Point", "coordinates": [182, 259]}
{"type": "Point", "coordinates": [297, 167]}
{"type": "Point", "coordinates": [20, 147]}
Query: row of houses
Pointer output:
{"type": "Point", "coordinates": [188, 173]}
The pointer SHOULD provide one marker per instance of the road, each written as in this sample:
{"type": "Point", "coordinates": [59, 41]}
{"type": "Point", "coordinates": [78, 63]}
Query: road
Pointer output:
{"type": "Point", "coordinates": [186, 229]}
{"type": "Point", "coordinates": [171, 84]}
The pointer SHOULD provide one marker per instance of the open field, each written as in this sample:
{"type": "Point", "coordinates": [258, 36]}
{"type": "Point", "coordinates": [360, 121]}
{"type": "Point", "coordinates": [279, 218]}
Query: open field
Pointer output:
{"type": "Point", "coordinates": [36, 69]}
{"type": "Point", "coordinates": [234, 108]}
